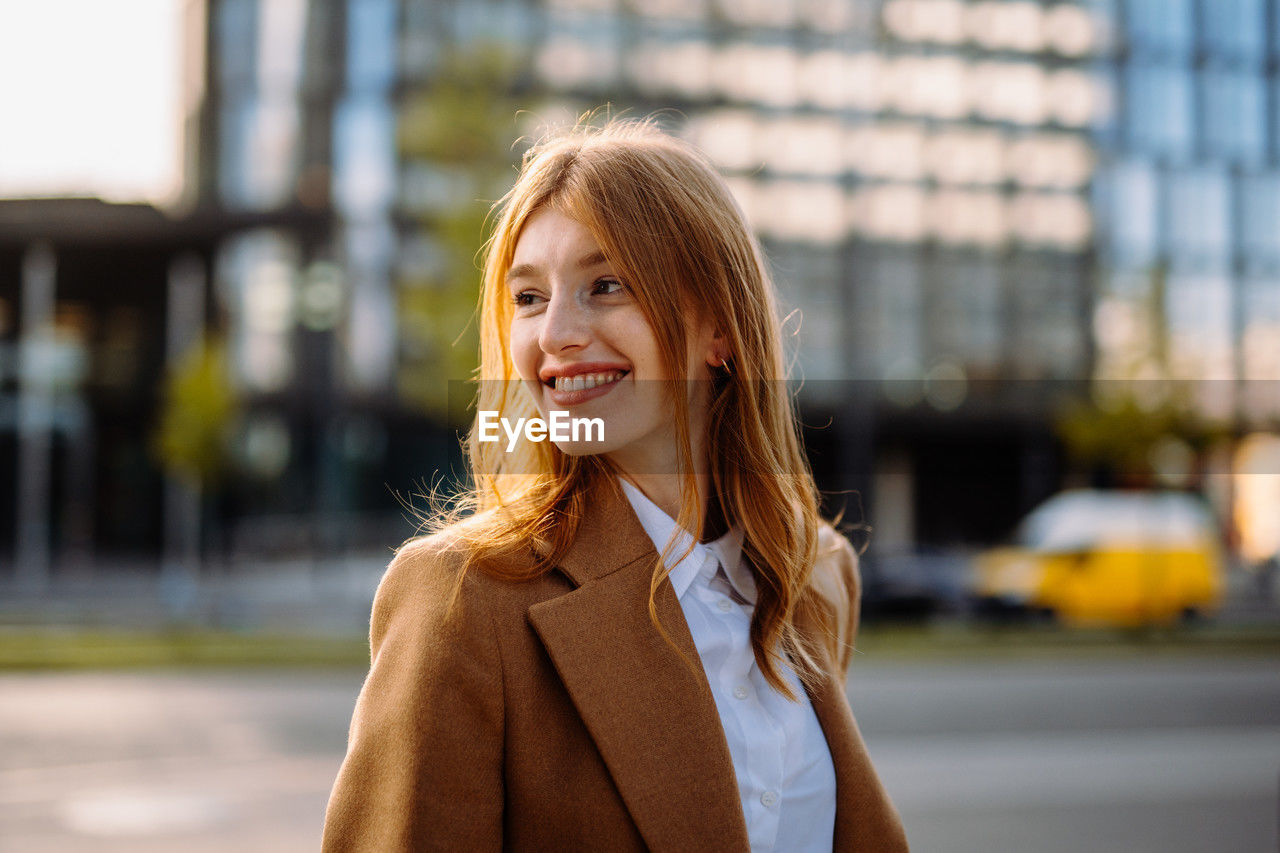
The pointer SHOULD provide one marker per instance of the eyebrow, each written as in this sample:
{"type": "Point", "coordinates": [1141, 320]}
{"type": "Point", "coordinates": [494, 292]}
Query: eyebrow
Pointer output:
{"type": "Point", "coordinates": [587, 261]}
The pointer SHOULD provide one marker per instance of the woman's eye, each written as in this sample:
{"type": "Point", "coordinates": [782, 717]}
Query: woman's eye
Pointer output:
{"type": "Point", "coordinates": [524, 298]}
{"type": "Point", "coordinates": [607, 286]}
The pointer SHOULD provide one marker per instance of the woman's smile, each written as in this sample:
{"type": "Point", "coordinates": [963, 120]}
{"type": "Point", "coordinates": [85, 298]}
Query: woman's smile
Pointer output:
{"type": "Point", "coordinates": [574, 388]}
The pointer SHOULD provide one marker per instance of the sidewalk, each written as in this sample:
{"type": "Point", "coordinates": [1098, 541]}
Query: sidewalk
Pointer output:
{"type": "Point", "coordinates": [310, 596]}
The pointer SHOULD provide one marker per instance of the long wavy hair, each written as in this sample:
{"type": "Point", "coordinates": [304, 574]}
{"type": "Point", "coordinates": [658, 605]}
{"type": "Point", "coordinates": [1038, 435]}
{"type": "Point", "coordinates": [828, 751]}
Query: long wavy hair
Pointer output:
{"type": "Point", "coordinates": [669, 226]}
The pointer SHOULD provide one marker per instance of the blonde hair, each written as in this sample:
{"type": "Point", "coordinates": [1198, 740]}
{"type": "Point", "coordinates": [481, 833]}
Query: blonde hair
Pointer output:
{"type": "Point", "coordinates": [668, 224]}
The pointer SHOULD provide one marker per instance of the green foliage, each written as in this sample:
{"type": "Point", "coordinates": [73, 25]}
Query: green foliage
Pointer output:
{"type": "Point", "coordinates": [443, 328]}
{"type": "Point", "coordinates": [199, 406]}
{"type": "Point", "coordinates": [466, 114]}
{"type": "Point", "coordinates": [1124, 434]}
{"type": "Point", "coordinates": [456, 134]}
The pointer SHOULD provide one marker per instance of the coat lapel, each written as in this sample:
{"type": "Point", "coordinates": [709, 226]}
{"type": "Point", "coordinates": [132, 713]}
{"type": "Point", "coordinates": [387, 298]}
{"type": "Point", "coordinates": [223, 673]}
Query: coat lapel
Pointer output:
{"type": "Point", "coordinates": [649, 710]}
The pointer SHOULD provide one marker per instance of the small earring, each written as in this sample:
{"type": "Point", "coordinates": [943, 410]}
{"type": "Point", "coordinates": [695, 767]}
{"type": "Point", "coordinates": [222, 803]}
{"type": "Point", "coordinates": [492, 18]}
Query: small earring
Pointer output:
{"type": "Point", "coordinates": [724, 365]}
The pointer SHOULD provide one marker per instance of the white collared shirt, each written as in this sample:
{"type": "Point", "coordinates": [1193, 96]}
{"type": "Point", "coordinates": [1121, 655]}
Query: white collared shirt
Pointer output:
{"type": "Point", "coordinates": [786, 780]}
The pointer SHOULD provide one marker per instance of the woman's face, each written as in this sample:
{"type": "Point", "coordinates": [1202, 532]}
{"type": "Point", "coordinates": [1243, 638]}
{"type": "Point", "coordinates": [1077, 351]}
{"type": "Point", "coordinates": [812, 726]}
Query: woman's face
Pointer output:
{"type": "Point", "coordinates": [582, 344]}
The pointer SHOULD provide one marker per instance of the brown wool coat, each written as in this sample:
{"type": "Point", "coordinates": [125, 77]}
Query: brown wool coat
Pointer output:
{"type": "Point", "coordinates": [551, 715]}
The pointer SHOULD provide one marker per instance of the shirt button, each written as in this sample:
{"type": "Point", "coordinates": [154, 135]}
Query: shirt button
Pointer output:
{"type": "Point", "coordinates": [740, 692]}
{"type": "Point", "coordinates": [768, 799]}
{"type": "Point", "coordinates": [725, 605]}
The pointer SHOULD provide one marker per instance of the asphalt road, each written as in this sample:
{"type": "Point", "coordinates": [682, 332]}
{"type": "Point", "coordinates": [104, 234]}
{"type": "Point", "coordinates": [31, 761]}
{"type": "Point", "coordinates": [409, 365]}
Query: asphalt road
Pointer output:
{"type": "Point", "coordinates": [1126, 755]}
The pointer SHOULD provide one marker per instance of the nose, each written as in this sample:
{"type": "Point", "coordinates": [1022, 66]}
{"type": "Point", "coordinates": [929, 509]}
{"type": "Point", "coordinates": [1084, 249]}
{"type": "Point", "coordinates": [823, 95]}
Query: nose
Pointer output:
{"type": "Point", "coordinates": [565, 324]}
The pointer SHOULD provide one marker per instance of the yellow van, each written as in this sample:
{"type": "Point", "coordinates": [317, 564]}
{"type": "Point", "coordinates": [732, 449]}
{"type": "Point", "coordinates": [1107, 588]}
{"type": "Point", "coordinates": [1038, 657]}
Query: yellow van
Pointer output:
{"type": "Point", "coordinates": [1108, 559]}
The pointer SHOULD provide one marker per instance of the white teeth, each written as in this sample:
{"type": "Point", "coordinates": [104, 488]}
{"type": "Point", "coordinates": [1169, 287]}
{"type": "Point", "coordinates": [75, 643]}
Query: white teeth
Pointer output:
{"type": "Point", "coordinates": [586, 381]}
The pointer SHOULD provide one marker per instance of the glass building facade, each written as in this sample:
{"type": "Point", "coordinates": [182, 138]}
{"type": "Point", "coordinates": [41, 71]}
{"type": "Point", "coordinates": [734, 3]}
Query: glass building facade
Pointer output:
{"type": "Point", "coordinates": [1190, 201]}
{"type": "Point", "coordinates": [921, 173]}
{"type": "Point", "coordinates": [968, 205]}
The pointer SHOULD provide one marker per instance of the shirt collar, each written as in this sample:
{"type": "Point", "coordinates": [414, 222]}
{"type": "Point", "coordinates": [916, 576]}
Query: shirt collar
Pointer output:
{"type": "Point", "coordinates": [727, 549]}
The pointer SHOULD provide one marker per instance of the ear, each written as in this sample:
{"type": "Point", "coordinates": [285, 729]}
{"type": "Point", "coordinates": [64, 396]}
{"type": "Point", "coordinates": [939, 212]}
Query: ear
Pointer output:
{"type": "Point", "coordinates": [717, 352]}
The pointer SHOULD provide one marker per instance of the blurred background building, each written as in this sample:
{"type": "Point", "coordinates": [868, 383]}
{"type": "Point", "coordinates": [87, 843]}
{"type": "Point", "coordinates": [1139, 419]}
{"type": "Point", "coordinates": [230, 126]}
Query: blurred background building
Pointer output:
{"type": "Point", "coordinates": [1004, 227]}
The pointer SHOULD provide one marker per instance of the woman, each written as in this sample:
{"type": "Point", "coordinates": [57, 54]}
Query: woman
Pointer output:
{"type": "Point", "coordinates": [567, 668]}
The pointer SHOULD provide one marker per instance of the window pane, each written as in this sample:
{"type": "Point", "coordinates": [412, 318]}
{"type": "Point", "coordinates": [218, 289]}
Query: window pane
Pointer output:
{"type": "Point", "coordinates": [1262, 335]}
{"type": "Point", "coordinates": [1260, 231]}
{"type": "Point", "coordinates": [1131, 196]}
{"type": "Point", "coordinates": [963, 317]}
{"type": "Point", "coordinates": [236, 37]}
{"type": "Point", "coordinates": [1275, 26]}
{"type": "Point", "coordinates": [1275, 115]}
{"type": "Point", "coordinates": [1233, 28]}
{"type": "Point", "coordinates": [1048, 331]}
{"type": "Point", "coordinates": [283, 26]}
{"type": "Point", "coordinates": [1198, 211]}
{"type": "Point", "coordinates": [1159, 114]}
{"type": "Point", "coordinates": [1198, 314]}
{"type": "Point", "coordinates": [258, 151]}
{"type": "Point", "coordinates": [506, 22]}
{"type": "Point", "coordinates": [257, 273]}
{"type": "Point", "coordinates": [1233, 116]}
{"type": "Point", "coordinates": [422, 38]}
{"type": "Point", "coordinates": [888, 315]}
{"type": "Point", "coordinates": [364, 156]}
{"type": "Point", "coordinates": [370, 351]}
{"type": "Point", "coordinates": [1162, 26]}
{"type": "Point", "coordinates": [811, 283]}
{"type": "Point", "coordinates": [371, 40]}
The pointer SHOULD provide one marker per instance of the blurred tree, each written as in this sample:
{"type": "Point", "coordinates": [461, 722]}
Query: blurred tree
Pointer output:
{"type": "Point", "coordinates": [1142, 444]}
{"type": "Point", "coordinates": [456, 141]}
{"type": "Point", "coordinates": [198, 409]}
